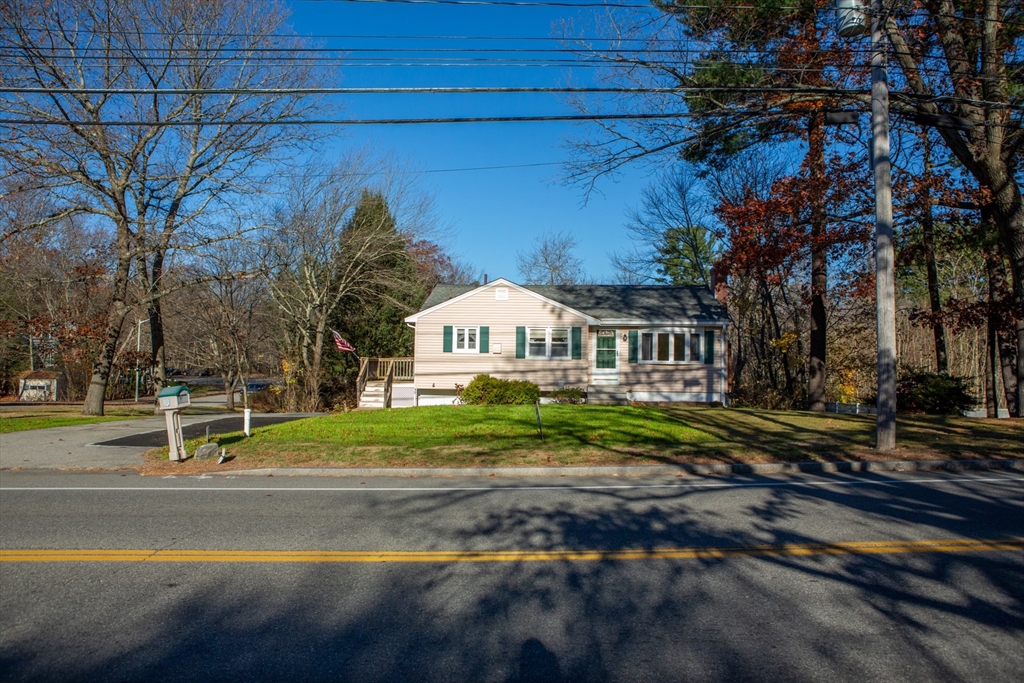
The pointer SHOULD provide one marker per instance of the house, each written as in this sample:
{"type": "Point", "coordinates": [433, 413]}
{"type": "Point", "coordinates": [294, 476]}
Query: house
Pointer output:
{"type": "Point", "coordinates": [41, 385]}
{"type": "Point", "coordinates": [619, 342]}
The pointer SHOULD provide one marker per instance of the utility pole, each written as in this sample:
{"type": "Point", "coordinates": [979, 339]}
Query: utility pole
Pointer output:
{"type": "Point", "coordinates": [885, 278]}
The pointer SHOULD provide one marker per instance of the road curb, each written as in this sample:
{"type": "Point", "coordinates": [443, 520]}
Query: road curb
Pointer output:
{"type": "Point", "coordinates": [635, 470]}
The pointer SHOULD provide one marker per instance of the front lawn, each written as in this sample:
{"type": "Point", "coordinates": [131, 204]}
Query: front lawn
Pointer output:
{"type": "Point", "coordinates": [19, 419]}
{"type": "Point", "coordinates": [472, 436]}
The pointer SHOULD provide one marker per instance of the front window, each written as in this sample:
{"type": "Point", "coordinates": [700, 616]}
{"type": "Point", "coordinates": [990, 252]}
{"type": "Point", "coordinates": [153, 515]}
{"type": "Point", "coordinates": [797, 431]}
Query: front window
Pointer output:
{"type": "Point", "coordinates": [679, 347]}
{"type": "Point", "coordinates": [465, 339]}
{"type": "Point", "coordinates": [538, 342]}
{"type": "Point", "coordinates": [559, 342]}
{"type": "Point", "coordinates": [695, 345]}
{"type": "Point", "coordinates": [663, 344]}
{"type": "Point", "coordinates": [669, 346]}
{"type": "Point", "coordinates": [547, 342]}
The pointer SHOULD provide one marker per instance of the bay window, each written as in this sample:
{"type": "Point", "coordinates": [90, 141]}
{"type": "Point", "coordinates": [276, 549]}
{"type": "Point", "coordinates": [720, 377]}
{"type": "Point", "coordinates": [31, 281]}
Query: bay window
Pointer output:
{"type": "Point", "coordinates": [669, 346]}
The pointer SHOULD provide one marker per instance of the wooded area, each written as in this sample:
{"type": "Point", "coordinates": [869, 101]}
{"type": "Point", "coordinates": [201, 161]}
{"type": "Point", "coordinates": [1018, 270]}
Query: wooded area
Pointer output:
{"type": "Point", "coordinates": [737, 101]}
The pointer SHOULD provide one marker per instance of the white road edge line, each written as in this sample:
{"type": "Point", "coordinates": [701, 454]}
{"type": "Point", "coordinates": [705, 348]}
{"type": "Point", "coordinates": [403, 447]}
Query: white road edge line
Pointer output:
{"type": "Point", "coordinates": [596, 487]}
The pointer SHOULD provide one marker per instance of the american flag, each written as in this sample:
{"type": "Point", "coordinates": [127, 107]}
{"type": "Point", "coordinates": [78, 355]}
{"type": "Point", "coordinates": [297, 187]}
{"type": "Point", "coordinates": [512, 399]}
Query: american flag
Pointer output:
{"type": "Point", "coordinates": [341, 343]}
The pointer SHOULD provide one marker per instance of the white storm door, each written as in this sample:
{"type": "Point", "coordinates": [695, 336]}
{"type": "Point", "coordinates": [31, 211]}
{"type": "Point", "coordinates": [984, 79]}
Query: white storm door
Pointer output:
{"type": "Point", "coordinates": [606, 357]}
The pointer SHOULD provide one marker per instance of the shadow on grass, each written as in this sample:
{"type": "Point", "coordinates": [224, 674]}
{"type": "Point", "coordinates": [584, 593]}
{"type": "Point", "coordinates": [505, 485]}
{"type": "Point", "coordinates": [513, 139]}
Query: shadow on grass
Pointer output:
{"type": "Point", "coordinates": [466, 436]}
{"type": "Point", "coordinates": [948, 617]}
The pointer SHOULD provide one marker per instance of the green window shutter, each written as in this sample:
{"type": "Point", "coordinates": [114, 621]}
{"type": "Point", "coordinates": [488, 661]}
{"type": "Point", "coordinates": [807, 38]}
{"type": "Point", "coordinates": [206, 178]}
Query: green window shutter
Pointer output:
{"type": "Point", "coordinates": [577, 343]}
{"type": "Point", "coordinates": [520, 342]}
{"type": "Point", "coordinates": [485, 340]}
{"type": "Point", "coordinates": [634, 346]}
{"type": "Point", "coordinates": [709, 347]}
{"type": "Point", "coordinates": [447, 338]}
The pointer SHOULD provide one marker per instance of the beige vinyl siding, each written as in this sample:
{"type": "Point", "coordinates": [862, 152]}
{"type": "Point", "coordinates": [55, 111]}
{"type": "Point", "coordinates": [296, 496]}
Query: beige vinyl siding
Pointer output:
{"type": "Point", "coordinates": [442, 371]}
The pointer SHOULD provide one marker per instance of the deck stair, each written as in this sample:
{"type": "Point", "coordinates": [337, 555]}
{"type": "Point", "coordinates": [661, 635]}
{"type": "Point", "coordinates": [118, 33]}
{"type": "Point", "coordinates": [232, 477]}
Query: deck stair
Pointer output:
{"type": "Point", "coordinates": [373, 396]}
{"type": "Point", "coordinates": [598, 395]}
{"type": "Point", "coordinates": [377, 377]}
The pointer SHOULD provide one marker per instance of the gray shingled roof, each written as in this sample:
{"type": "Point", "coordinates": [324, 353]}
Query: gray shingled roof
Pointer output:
{"type": "Point", "coordinates": [634, 302]}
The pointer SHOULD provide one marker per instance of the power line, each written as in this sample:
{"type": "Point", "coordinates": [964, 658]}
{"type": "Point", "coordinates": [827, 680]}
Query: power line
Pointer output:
{"type": "Point", "coordinates": [375, 122]}
{"type": "Point", "coordinates": [430, 90]}
{"type": "Point", "coordinates": [667, 9]}
{"type": "Point", "coordinates": [750, 114]}
{"type": "Point", "coordinates": [824, 91]}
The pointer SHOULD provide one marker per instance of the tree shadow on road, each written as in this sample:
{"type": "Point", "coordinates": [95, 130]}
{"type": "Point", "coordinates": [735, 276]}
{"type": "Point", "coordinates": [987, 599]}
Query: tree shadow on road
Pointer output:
{"type": "Point", "coordinates": [758, 618]}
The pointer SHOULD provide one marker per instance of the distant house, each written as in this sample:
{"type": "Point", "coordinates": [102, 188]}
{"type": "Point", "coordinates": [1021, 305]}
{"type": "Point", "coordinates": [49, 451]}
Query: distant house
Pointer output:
{"type": "Point", "coordinates": [619, 342]}
{"type": "Point", "coordinates": [41, 385]}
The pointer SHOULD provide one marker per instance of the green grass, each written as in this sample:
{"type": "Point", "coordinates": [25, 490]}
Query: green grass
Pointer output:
{"type": "Point", "coordinates": [499, 426]}
{"type": "Point", "coordinates": [17, 419]}
{"type": "Point", "coordinates": [467, 436]}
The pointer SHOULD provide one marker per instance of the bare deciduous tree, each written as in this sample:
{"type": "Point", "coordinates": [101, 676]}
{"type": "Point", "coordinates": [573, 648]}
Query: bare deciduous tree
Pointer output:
{"type": "Point", "coordinates": [552, 261]}
{"type": "Point", "coordinates": [107, 107]}
{"type": "Point", "coordinates": [672, 239]}
{"type": "Point", "coordinates": [336, 240]}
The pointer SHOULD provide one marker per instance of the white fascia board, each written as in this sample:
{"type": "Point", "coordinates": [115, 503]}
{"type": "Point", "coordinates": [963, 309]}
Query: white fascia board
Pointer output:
{"type": "Point", "coordinates": [504, 283]}
{"type": "Point", "coordinates": [628, 322]}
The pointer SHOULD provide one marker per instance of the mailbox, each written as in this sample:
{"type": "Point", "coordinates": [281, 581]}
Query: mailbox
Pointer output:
{"type": "Point", "coordinates": [173, 398]}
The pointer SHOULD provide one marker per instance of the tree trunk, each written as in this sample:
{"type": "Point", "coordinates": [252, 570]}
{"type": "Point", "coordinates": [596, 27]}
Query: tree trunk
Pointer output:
{"type": "Point", "coordinates": [156, 322]}
{"type": "Point", "coordinates": [777, 333]}
{"type": "Point", "coordinates": [156, 358]}
{"type": "Point", "coordinates": [991, 368]}
{"type": "Point", "coordinates": [819, 264]}
{"type": "Point", "coordinates": [229, 388]}
{"type": "Point", "coordinates": [928, 242]}
{"type": "Point", "coordinates": [1007, 204]}
{"type": "Point", "coordinates": [101, 367]}
{"type": "Point", "coordinates": [1008, 352]}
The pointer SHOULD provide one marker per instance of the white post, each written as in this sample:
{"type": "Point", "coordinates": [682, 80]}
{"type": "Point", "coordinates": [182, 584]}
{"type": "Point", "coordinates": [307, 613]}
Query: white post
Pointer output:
{"type": "Point", "coordinates": [885, 288]}
{"type": "Point", "coordinates": [174, 437]}
{"type": "Point", "coordinates": [246, 419]}
{"type": "Point", "coordinates": [138, 350]}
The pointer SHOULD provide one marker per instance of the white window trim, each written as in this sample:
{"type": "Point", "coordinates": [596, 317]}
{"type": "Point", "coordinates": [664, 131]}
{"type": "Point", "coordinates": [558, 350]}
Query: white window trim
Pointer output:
{"type": "Point", "coordinates": [455, 338]}
{"type": "Point", "coordinates": [547, 343]}
{"type": "Point", "coordinates": [671, 331]}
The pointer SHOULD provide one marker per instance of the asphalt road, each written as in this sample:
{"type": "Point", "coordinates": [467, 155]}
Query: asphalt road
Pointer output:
{"type": "Point", "coordinates": [217, 426]}
{"type": "Point", "coordinates": [703, 579]}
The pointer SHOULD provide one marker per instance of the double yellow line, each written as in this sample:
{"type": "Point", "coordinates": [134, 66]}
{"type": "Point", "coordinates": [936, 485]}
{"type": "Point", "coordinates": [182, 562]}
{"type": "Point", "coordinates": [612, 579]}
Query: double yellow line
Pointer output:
{"type": "Point", "coordinates": [449, 556]}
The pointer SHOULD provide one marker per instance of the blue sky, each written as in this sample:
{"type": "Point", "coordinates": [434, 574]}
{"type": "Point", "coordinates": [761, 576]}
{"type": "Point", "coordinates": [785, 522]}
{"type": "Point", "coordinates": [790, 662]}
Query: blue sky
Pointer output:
{"type": "Point", "coordinates": [492, 213]}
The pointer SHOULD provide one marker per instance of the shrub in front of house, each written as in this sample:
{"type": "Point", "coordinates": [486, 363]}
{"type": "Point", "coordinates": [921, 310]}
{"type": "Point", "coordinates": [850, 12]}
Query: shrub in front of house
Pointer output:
{"type": "Point", "coordinates": [485, 390]}
{"type": "Point", "coordinates": [568, 396]}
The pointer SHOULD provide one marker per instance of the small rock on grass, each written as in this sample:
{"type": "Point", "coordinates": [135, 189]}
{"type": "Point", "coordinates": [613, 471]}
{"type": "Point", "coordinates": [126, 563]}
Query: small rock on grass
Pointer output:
{"type": "Point", "coordinates": [206, 451]}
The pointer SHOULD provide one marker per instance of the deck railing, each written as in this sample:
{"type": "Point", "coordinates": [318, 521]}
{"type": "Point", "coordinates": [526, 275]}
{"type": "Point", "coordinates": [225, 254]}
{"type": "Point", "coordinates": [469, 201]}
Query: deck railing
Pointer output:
{"type": "Point", "coordinates": [378, 369]}
{"type": "Point", "coordinates": [387, 370]}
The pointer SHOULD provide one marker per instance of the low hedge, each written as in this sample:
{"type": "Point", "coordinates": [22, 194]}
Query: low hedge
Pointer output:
{"type": "Point", "coordinates": [569, 396]}
{"type": "Point", "coordinates": [485, 390]}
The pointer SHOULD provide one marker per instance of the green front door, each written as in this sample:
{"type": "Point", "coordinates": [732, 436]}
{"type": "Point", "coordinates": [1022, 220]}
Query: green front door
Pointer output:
{"type": "Point", "coordinates": [606, 350]}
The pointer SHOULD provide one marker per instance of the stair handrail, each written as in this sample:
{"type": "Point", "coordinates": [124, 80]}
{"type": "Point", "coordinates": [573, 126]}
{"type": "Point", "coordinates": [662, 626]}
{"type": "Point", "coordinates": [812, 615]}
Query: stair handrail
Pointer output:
{"type": "Point", "coordinates": [388, 381]}
{"type": "Point", "coordinates": [361, 379]}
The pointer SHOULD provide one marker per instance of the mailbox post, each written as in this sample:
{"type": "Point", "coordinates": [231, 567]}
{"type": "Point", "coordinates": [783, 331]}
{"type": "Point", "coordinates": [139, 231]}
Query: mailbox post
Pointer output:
{"type": "Point", "coordinates": [172, 400]}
